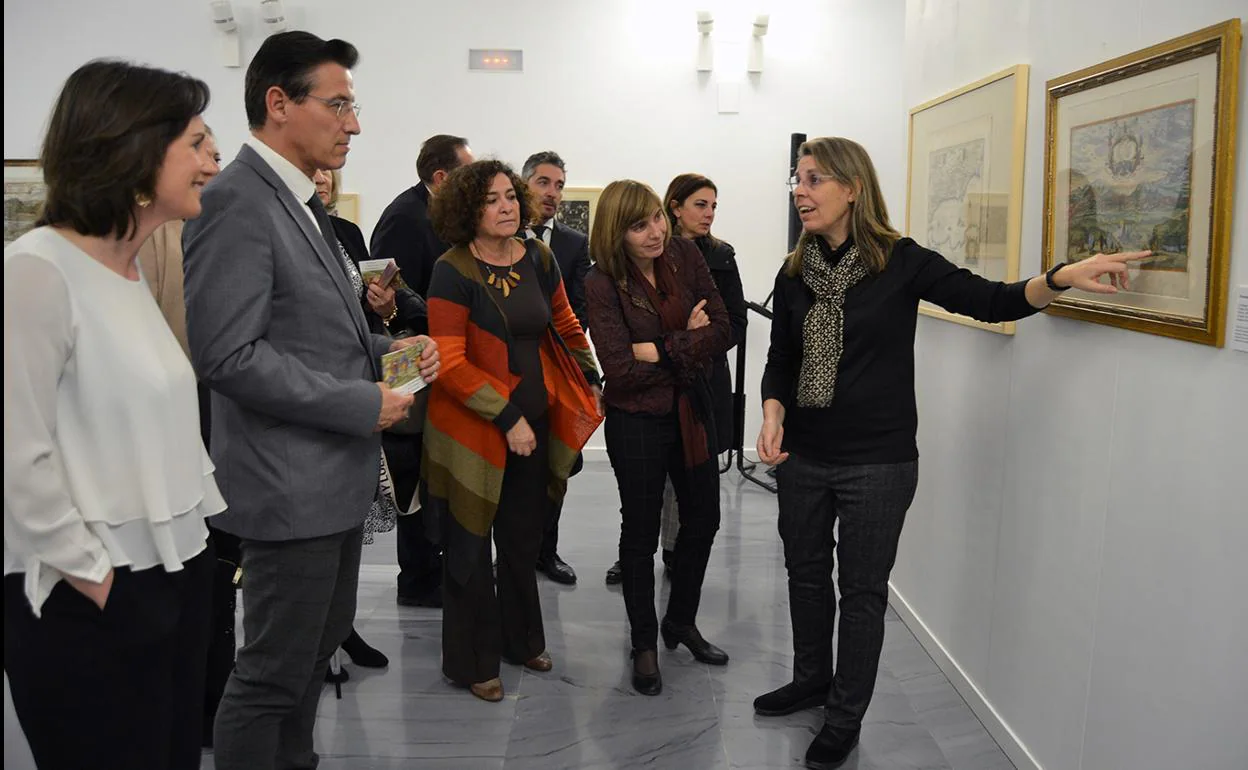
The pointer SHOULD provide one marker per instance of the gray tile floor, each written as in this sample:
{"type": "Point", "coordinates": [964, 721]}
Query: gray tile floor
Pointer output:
{"type": "Point", "coordinates": [584, 714]}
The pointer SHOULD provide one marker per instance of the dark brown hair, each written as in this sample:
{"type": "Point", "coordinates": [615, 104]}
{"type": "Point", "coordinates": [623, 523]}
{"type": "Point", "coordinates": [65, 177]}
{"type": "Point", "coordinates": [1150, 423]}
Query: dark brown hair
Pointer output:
{"type": "Point", "coordinates": [622, 204]}
{"type": "Point", "coordinates": [678, 192]}
{"type": "Point", "coordinates": [456, 210]}
{"type": "Point", "coordinates": [110, 129]}
{"type": "Point", "coordinates": [286, 60]}
{"type": "Point", "coordinates": [438, 153]}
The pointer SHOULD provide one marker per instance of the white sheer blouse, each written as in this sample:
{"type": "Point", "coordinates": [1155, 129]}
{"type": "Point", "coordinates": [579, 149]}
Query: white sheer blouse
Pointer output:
{"type": "Point", "coordinates": [103, 461]}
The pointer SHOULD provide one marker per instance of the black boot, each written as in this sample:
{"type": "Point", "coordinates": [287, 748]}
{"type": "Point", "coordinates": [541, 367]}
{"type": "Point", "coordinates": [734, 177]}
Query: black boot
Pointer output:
{"type": "Point", "coordinates": [692, 639]}
{"type": "Point", "coordinates": [830, 749]}
{"type": "Point", "coordinates": [790, 699]}
{"type": "Point", "coordinates": [615, 574]}
{"type": "Point", "coordinates": [647, 679]}
{"type": "Point", "coordinates": [362, 654]}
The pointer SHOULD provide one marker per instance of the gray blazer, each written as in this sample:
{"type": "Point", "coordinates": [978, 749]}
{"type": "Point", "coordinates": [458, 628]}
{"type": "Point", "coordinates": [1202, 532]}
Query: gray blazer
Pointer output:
{"type": "Point", "coordinates": [277, 334]}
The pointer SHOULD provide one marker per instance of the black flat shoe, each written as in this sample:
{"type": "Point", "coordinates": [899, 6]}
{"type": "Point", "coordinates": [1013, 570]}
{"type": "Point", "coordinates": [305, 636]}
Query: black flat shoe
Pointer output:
{"type": "Point", "coordinates": [830, 749]}
{"type": "Point", "coordinates": [557, 570]}
{"type": "Point", "coordinates": [790, 699]}
{"type": "Point", "coordinates": [646, 661]}
{"type": "Point", "coordinates": [362, 653]}
{"type": "Point", "coordinates": [689, 636]}
{"type": "Point", "coordinates": [615, 575]}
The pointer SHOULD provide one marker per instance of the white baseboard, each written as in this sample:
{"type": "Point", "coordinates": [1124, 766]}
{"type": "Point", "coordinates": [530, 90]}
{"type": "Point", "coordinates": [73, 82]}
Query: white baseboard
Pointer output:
{"type": "Point", "coordinates": [995, 724]}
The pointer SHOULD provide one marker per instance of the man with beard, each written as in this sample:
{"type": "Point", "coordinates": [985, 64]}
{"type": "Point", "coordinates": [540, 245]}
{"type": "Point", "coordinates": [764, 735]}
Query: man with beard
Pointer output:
{"type": "Point", "coordinates": [545, 174]}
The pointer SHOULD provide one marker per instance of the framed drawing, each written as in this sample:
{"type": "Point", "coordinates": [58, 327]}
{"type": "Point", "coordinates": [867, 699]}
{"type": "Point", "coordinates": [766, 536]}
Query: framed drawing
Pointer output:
{"type": "Point", "coordinates": [577, 209]}
{"type": "Point", "coordinates": [24, 193]}
{"type": "Point", "coordinates": [1140, 154]}
{"type": "Point", "coordinates": [349, 206]}
{"type": "Point", "coordinates": [965, 180]}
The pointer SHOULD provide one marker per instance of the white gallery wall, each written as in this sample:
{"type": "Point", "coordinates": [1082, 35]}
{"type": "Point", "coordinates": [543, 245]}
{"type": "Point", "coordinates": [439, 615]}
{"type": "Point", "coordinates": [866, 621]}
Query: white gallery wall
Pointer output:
{"type": "Point", "coordinates": [611, 86]}
{"type": "Point", "coordinates": [1074, 555]}
{"type": "Point", "coordinates": [1077, 545]}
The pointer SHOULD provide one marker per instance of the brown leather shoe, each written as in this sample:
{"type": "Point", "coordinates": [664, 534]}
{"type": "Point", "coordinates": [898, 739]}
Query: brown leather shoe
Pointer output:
{"type": "Point", "coordinates": [491, 690]}
{"type": "Point", "coordinates": [540, 663]}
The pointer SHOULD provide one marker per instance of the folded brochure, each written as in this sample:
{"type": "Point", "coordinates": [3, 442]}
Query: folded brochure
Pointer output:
{"type": "Point", "coordinates": [401, 369]}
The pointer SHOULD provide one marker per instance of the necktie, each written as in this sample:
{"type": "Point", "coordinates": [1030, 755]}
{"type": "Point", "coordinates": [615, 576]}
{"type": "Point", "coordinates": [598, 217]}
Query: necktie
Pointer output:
{"type": "Point", "coordinates": [540, 232]}
{"type": "Point", "coordinates": [331, 240]}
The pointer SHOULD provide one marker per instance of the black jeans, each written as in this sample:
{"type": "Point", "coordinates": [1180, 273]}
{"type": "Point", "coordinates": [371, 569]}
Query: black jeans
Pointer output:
{"type": "Point", "coordinates": [121, 687]}
{"type": "Point", "coordinates": [646, 450]}
{"type": "Point", "coordinates": [871, 502]}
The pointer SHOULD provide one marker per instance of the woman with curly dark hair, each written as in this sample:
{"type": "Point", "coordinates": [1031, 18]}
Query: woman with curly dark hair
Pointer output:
{"type": "Point", "coordinates": [507, 417]}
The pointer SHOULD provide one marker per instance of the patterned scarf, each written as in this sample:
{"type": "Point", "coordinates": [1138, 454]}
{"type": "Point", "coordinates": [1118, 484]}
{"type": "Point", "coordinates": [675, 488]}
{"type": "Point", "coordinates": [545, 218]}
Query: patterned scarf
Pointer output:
{"type": "Point", "coordinates": [824, 329]}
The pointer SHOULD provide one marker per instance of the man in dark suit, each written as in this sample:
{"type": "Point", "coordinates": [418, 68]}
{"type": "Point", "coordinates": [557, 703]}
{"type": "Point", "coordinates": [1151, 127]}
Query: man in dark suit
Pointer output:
{"type": "Point", "coordinates": [277, 333]}
{"type": "Point", "coordinates": [405, 235]}
{"type": "Point", "coordinates": [545, 174]}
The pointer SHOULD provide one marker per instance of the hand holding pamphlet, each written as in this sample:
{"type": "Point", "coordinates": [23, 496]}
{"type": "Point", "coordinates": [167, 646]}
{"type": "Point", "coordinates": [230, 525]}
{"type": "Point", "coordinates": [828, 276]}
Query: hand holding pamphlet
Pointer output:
{"type": "Point", "coordinates": [401, 369]}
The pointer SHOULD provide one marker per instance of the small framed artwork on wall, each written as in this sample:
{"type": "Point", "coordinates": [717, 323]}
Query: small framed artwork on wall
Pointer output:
{"type": "Point", "coordinates": [1140, 155]}
{"type": "Point", "coordinates": [965, 180]}
{"type": "Point", "coordinates": [24, 193]}
{"type": "Point", "coordinates": [577, 209]}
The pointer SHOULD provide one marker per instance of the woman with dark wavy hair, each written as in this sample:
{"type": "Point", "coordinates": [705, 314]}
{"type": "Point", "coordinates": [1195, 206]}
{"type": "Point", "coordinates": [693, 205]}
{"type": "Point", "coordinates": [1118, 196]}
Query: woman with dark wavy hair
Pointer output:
{"type": "Point", "coordinates": [507, 417]}
{"type": "Point", "coordinates": [107, 562]}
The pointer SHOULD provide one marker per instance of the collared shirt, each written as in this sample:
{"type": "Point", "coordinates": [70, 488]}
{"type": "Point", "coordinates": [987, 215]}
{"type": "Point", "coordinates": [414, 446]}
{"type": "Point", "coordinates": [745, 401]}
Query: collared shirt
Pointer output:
{"type": "Point", "coordinates": [296, 181]}
{"type": "Point", "coordinates": [549, 224]}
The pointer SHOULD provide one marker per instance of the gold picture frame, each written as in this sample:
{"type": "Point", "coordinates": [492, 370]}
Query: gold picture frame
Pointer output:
{"type": "Point", "coordinates": [24, 194]}
{"type": "Point", "coordinates": [578, 207]}
{"type": "Point", "coordinates": [1140, 154]}
{"type": "Point", "coordinates": [964, 180]}
{"type": "Point", "coordinates": [348, 207]}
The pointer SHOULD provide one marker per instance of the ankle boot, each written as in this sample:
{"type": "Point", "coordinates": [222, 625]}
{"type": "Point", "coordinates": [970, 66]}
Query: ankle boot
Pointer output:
{"type": "Point", "coordinates": [647, 679]}
{"type": "Point", "coordinates": [690, 637]}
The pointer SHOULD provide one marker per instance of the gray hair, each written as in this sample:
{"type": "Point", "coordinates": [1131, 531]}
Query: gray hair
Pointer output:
{"type": "Point", "coordinates": [537, 159]}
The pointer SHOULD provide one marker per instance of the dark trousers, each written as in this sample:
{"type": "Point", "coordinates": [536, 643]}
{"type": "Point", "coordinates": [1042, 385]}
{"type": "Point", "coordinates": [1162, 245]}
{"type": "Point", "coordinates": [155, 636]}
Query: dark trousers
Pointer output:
{"type": "Point", "coordinates": [481, 622]}
{"type": "Point", "coordinates": [221, 642]}
{"type": "Point", "coordinates": [420, 560]}
{"type": "Point", "coordinates": [121, 687]}
{"type": "Point", "coordinates": [298, 607]}
{"type": "Point", "coordinates": [870, 501]}
{"type": "Point", "coordinates": [645, 451]}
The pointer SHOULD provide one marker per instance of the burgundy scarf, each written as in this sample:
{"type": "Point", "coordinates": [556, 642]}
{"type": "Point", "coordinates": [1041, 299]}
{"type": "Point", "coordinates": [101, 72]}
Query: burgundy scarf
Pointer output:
{"type": "Point", "coordinates": [667, 297]}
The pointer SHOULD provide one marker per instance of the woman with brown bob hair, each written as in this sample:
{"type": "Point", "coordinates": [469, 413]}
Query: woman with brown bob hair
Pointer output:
{"type": "Point", "coordinates": [839, 407]}
{"type": "Point", "coordinates": [107, 562]}
{"type": "Point", "coordinates": [658, 323]}
{"type": "Point", "coordinates": [508, 415]}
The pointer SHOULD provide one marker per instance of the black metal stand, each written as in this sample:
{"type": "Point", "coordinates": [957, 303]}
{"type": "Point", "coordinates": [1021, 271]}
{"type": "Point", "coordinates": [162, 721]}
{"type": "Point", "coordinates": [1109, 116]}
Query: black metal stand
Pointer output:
{"type": "Point", "coordinates": [744, 467]}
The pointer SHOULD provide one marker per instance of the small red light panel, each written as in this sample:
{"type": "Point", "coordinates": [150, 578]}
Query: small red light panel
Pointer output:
{"type": "Point", "coordinates": [495, 60]}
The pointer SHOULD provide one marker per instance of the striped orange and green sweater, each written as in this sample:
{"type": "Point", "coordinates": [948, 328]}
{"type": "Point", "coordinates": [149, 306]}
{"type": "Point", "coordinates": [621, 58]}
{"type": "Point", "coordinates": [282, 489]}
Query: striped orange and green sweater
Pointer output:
{"type": "Point", "coordinates": [465, 451]}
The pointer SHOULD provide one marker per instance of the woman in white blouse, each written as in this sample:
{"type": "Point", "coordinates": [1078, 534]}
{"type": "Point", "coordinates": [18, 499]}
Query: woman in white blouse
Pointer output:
{"type": "Point", "coordinates": [107, 566]}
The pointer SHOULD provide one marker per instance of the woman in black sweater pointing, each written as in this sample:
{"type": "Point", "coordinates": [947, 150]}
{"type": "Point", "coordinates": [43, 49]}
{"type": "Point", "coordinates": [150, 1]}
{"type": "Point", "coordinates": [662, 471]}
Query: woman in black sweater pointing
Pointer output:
{"type": "Point", "coordinates": [839, 413]}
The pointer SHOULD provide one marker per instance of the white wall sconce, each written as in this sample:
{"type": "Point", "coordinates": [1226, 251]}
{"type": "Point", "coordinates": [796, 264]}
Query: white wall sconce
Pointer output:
{"type": "Point", "coordinates": [227, 28]}
{"type": "Point", "coordinates": [706, 53]}
{"type": "Point", "coordinates": [755, 62]}
{"type": "Point", "coordinates": [274, 16]}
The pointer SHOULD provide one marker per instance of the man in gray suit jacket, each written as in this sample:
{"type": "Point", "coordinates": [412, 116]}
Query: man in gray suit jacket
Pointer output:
{"type": "Point", "coordinates": [277, 332]}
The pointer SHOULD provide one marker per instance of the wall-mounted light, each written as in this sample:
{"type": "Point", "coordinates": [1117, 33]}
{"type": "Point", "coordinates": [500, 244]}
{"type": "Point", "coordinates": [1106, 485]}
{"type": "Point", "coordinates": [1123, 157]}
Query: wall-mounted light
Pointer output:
{"type": "Point", "coordinates": [706, 54]}
{"type": "Point", "coordinates": [227, 27]}
{"type": "Point", "coordinates": [274, 16]}
{"type": "Point", "coordinates": [755, 62]}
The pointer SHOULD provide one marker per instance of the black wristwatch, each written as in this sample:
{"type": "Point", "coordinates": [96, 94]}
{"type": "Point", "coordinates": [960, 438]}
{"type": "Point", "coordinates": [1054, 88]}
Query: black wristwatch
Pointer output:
{"type": "Point", "coordinates": [1048, 277]}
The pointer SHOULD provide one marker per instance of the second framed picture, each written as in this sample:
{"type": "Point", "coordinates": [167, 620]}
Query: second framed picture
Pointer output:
{"type": "Point", "coordinates": [965, 180]}
{"type": "Point", "coordinates": [577, 209]}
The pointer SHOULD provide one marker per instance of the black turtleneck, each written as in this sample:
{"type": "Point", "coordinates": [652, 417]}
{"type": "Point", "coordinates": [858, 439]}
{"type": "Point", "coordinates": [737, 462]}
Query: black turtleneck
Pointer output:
{"type": "Point", "coordinates": [873, 417]}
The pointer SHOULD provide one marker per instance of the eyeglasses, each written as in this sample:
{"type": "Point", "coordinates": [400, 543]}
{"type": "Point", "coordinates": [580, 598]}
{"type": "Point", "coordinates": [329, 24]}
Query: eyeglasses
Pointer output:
{"type": "Point", "coordinates": [339, 106]}
{"type": "Point", "coordinates": [811, 181]}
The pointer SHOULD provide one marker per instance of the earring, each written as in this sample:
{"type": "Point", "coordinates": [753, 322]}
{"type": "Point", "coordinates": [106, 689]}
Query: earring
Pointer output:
{"type": "Point", "coordinates": [142, 200]}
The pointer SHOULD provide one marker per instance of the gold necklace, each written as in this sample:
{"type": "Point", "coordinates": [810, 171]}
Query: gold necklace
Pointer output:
{"type": "Point", "coordinates": [504, 283]}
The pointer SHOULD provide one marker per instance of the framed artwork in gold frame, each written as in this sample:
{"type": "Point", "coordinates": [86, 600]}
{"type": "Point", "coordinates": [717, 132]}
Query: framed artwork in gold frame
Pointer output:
{"type": "Point", "coordinates": [349, 206]}
{"type": "Point", "coordinates": [1140, 154]}
{"type": "Point", "coordinates": [964, 196]}
{"type": "Point", "coordinates": [577, 208]}
{"type": "Point", "coordinates": [24, 193]}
